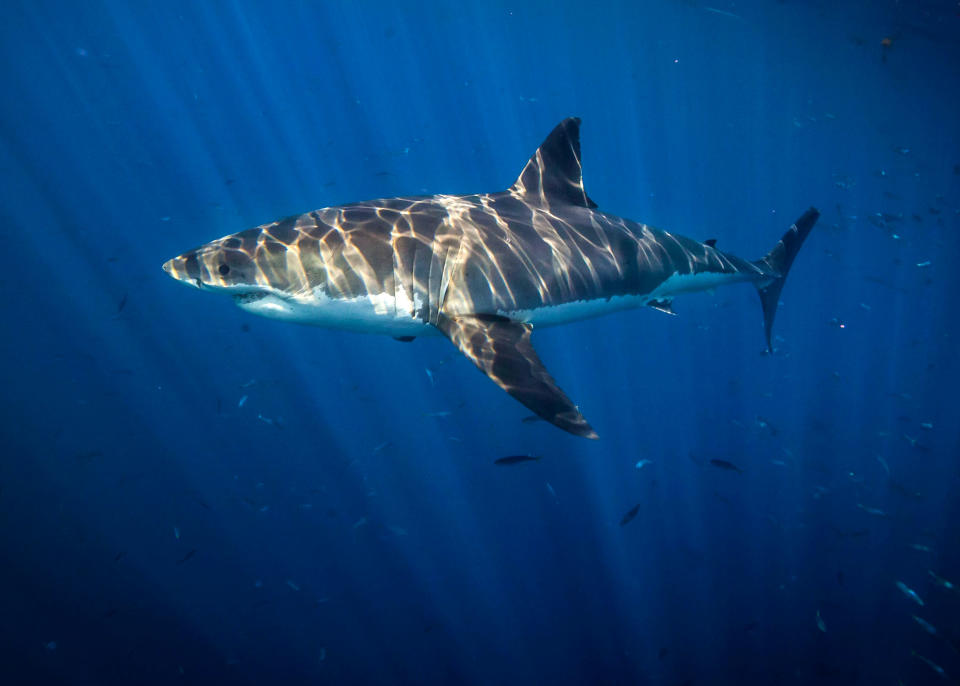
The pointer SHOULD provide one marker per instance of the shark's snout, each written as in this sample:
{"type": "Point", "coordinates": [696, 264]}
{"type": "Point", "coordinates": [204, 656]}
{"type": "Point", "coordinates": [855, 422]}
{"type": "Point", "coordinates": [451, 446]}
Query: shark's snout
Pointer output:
{"type": "Point", "coordinates": [220, 266]}
{"type": "Point", "coordinates": [185, 268]}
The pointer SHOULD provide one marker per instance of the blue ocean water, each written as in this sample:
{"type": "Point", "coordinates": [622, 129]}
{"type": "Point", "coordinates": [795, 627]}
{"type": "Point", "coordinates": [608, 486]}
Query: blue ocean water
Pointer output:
{"type": "Point", "coordinates": [192, 494]}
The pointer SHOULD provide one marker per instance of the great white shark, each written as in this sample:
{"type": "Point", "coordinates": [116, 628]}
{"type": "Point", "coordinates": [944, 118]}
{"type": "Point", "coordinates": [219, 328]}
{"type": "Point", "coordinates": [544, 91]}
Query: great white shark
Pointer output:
{"type": "Point", "coordinates": [483, 270]}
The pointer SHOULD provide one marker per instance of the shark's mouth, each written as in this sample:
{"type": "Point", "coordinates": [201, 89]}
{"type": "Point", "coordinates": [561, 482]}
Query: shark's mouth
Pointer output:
{"type": "Point", "coordinates": [249, 297]}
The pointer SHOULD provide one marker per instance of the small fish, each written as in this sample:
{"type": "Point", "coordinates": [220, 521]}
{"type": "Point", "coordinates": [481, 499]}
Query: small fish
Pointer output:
{"type": "Point", "coordinates": [631, 513]}
{"type": "Point", "coordinates": [930, 663]}
{"type": "Point", "coordinates": [360, 522]}
{"type": "Point", "coordinates": [925, 625]}
{"type": "Point", "coordinates": [926, 263]}
{"type": "Point", "coordinates": [643, 463]}
{"type": "Point", "coordinates": [926, 425]}
{"type": "Point", "coordinates": [429, 375]}
{"type": "Point", "coordinates": [515, 459]}
{"type": "Point", "coordinates": [883, 463]}
{"type": "Point", "coordinates": [186, 557]}
{"type": "Point", "coordinates": [820, 623]}
{"type": "Point", "coordinates": [904, 491]}
{"type": "Point", "coordinates": [123, 553]}
{"type": "Point", "coordinates": [385, 444]}
{"type": "Point", "coordinates": [764, 423]}
{"type": "Point", "coordinates": [122, 304]}
{"type": "Point", "coordinates": [940, 581]}
{"type": "Point", "coordinates": [724, 13]}
{"type": "Point", "coordinates": [910, 593]}
{"type": "Point", "coordinates": [444, 413]}
{"type": "Point", "coordinates": [552, 492]}
{"type": "Point", "coordinates": [922, 548]}
{"type": "Point", "coordinates": [531, 419]}
{"type": "Point", "coordinates": [292, 585]}
{"type": "Point", "coordinates": [176, 533]}
{"type": "Point", "coordinates": [875, 511]}
{"type": "Point", "coordinates": [729, 466]}
{"type": "Point", "coordinates": [243, 401]}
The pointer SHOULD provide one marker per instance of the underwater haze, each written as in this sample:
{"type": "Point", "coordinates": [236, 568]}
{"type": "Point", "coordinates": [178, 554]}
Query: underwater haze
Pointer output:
{"type": "Point", "coordinates": [193, 494]}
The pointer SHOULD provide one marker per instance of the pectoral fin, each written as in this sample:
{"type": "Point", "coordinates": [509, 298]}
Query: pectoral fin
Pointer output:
{"type": "Point", "coordinates": [501, 348]}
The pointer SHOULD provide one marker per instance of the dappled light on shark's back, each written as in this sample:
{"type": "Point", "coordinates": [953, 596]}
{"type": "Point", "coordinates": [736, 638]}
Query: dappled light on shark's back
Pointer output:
{"type": "Point", "coordinates": [483, 270]}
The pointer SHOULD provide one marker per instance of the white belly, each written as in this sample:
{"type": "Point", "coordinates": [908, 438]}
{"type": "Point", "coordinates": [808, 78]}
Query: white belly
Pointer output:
{"type": "Point", "coordinates": [364, 314]}
{"type": "Point", "coordinates": [674, 285]}
{"type": "Point", "coordinates": [380, 314]}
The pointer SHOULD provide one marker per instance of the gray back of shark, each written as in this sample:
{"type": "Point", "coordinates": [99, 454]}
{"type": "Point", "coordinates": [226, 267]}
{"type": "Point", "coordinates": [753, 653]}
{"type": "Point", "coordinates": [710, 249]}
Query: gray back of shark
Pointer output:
{"type": "Point", "coordinates": [483, 270]}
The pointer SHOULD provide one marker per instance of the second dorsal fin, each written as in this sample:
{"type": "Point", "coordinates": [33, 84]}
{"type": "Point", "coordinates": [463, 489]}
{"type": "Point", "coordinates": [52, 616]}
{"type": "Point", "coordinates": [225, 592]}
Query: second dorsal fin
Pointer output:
{"type": "Point", "coordinates": [553, 174]}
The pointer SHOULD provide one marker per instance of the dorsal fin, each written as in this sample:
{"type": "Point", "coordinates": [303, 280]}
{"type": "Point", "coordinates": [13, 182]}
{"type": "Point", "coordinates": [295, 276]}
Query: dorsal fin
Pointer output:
{"type": "Point", "coordinates": [554, 174]}
{"type": "Point", "coordinates": [712, 242]}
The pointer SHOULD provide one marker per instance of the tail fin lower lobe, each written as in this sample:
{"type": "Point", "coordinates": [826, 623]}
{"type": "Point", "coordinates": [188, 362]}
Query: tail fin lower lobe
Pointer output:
{"type": "Point", "coordinates": [778, 262]}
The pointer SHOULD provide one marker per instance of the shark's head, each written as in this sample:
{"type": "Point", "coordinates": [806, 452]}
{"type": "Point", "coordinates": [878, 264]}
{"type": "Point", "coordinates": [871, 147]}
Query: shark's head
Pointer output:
{"type": "Point", "coordinates": [252, 267]}
{"type": "Point", "coordinates": [221, 266]}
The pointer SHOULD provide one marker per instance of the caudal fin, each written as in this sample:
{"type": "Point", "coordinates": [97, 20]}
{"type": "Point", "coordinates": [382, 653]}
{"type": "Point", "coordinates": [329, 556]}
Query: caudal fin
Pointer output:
{"type": "Point", "coordinates": [778, 262]}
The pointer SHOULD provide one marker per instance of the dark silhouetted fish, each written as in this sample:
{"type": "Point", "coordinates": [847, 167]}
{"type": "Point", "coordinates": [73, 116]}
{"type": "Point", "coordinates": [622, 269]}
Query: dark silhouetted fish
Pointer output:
{"type": "Point", "coordinates": [729, 466]}
{"type": "Point", "coordinates": [87, 457]}
{"type": "Point", "coordinates": [627, 518]}
{"type": "Point", "coordinates": [187, 556]}
{"type": "Point", "coordinates": [515, 459]}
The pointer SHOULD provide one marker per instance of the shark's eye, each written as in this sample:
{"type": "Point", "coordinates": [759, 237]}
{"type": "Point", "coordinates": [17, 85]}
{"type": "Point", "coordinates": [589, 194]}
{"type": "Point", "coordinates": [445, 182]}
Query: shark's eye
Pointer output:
{"type": "Point", "coordinates": [224, 269]}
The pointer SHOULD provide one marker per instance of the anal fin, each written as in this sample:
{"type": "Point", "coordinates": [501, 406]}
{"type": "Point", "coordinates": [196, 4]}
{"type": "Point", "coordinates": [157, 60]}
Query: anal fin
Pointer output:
{"type": "Point", "coordinates": [662, 305]}
{"type": "Point", "coordinates": [501, 349]}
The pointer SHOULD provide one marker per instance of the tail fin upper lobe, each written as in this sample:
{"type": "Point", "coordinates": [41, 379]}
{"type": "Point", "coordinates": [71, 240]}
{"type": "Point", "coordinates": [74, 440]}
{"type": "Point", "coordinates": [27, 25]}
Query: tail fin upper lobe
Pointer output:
{"type": "Point", "coordinates": [778, 262]}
